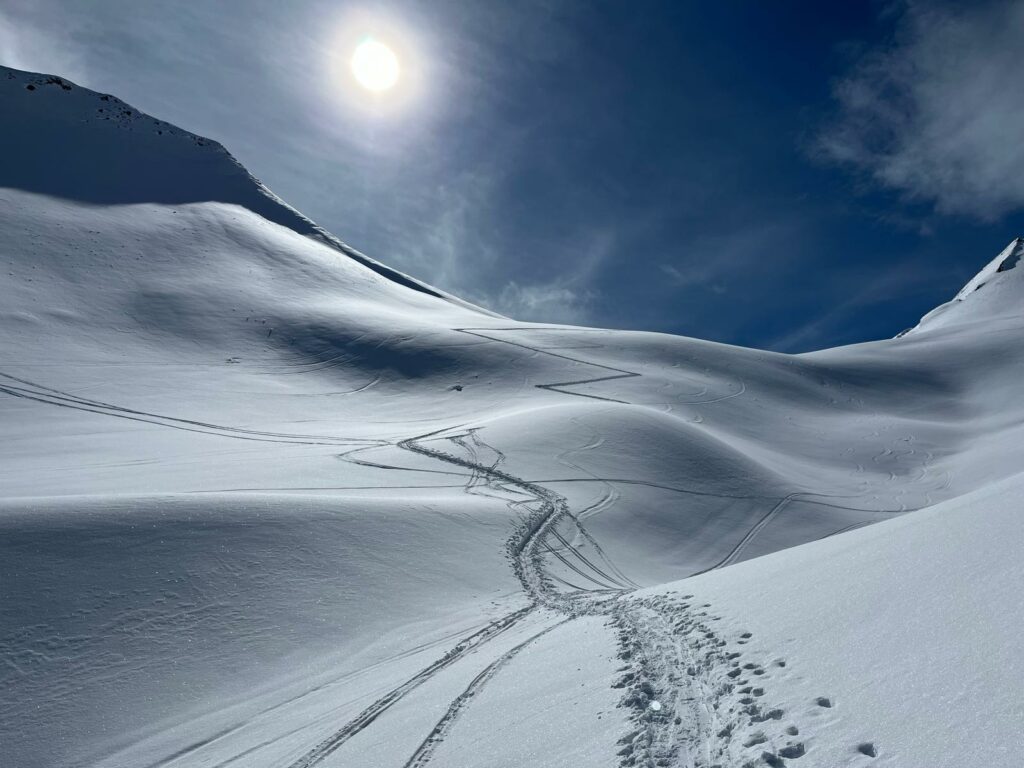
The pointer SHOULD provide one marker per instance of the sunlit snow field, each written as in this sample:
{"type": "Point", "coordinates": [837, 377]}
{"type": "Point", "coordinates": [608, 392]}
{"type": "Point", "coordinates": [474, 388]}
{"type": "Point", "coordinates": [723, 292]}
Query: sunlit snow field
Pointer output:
{"type": "Point", "coordinates": [266, 502]}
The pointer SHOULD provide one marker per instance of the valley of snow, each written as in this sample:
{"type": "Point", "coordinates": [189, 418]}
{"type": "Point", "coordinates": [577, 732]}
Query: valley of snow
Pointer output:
{"type": "Point", "coordinates": [267, 502]}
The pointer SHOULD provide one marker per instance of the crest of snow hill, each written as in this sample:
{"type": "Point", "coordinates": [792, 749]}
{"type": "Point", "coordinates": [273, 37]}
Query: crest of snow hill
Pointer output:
{"type": "Point", "coordinates": [64, 140]}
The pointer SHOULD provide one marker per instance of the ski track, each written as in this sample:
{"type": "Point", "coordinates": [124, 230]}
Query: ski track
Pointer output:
{"type": "Point", "coordinates": [617, 373]}
{"type": "Point", "coordinates": [658, 637]}
{"type": "Point", "coordinates": [673, 654]}
{"type": "Point", "coordinates": [426, 750]}
{"type": "Point", "coordinates": [48, 396]}
{"type": "Point", "coordinates": [333, 742]}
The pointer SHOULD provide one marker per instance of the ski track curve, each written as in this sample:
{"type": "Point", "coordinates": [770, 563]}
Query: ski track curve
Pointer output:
{"type": "Point", "coordinates": [649, 629]}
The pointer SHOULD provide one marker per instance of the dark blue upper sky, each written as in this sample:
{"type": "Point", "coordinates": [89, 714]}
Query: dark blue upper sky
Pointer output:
{"type": "Point", "coordinates": [789, 175]}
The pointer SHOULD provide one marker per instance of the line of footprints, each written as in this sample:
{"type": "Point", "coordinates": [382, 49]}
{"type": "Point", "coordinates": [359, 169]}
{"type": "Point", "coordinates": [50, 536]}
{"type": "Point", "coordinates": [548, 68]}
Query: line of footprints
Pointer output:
{"type": "Point", "coordinates": [733, 691]}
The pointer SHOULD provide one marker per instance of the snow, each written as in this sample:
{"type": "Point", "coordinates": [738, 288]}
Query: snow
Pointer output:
{"type": "Point", "coordinates": [1001, 296]}
{"type": "Point", "coordinates": [909, 628]}
{"type": "Point", "coordinates": [266, 502]}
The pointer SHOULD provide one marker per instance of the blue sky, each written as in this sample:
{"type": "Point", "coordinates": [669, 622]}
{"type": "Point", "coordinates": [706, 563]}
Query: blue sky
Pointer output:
{"type": "Point", "coordinates": [789, 175]}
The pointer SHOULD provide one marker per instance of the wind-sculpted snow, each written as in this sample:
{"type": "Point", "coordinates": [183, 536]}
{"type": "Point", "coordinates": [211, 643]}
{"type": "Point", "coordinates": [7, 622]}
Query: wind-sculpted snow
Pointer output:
{"type": "Point", "coordinates": [267, 503]}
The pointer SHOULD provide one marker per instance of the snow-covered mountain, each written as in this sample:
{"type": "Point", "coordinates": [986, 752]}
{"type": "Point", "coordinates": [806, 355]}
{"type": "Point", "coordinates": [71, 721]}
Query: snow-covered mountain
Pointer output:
{"type": "Point", "coordinates": [266, 502]}
{"type": "Point", "coordinates": [1001, 300]}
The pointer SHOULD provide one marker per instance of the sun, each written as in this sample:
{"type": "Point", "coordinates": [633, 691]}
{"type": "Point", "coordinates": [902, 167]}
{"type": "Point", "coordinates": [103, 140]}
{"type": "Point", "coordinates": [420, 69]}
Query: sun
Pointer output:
{"type": "Point", "coordinates": [380, 68]}
{"type": "Point", "coordinates": [375, 66]}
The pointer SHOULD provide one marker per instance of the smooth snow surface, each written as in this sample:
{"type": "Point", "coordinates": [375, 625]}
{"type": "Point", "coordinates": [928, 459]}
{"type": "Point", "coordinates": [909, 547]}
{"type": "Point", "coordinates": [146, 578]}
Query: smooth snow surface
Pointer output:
{"type": "Point", "coordinates": [910, 629]}
{"type": "Point", "coordinates": [267, 502]}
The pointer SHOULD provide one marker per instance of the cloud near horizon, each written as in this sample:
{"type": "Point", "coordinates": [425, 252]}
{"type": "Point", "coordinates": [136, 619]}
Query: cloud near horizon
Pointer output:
{"type": "Point", "coordinates": [937, 114]}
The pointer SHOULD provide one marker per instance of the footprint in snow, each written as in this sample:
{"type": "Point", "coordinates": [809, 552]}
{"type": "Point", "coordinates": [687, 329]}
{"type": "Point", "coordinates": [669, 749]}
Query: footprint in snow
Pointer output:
{"type": "Point", "coordinates": [867, 748]}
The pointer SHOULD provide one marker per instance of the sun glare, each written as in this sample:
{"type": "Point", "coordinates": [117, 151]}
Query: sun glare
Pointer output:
{"type": "Point", "coordinates": [375, 66]}
{"type": "Point", "coordinates": [379, 67]}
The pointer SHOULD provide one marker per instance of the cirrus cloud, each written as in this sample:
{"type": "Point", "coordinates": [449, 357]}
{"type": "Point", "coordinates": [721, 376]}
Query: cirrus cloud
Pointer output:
{"type": "Point", "coordinates": [938, 113]}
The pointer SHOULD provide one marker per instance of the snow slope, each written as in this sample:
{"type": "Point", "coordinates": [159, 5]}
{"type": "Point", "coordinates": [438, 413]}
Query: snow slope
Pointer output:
{"type": "Point", "coordinates": [267, 502]}
{"type": "Point", "coordinates": [1000, 299]}
{"type": "Point", "coordinates": [910, 630]}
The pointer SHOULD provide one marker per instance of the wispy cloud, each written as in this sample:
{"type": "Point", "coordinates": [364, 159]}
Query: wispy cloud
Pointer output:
{"type": "Point", "coordinates": [26, 44]}
{"type": "Point", "coordinates": [717, 260]}
{"type": "Point", "coordinates": [544, 303]}
{"type": "Point", "coordinates": [569, 297]}
{"type": "Point", "coordinates": [875, 288]}
{"type": "Point", "coordinates": [938, 113]}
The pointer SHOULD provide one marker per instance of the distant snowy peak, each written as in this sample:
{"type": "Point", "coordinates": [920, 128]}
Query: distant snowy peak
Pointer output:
{"type": "Point", "coordinates": [62, 140]}
{"type": "Point", "coordinates": [1004, 262]}
{"type": "Point", "coordinates": [996, 291]}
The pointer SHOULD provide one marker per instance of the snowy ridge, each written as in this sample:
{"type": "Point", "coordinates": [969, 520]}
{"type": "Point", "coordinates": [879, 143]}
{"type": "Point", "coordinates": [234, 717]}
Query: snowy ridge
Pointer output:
{"type": "Point", "coordinates": [263, 506]}
{"type": "Point", "coordinates": [1004, 262]}
{"type": "Point", "coordinates": [71, 142]}
{"type": "Point", "coordinates": [1003, 294]}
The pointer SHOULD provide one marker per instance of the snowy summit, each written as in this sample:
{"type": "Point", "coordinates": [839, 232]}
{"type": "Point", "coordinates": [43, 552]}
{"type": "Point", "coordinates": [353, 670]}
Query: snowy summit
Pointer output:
{"type": "Point", "coordinates": [265, 501]}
